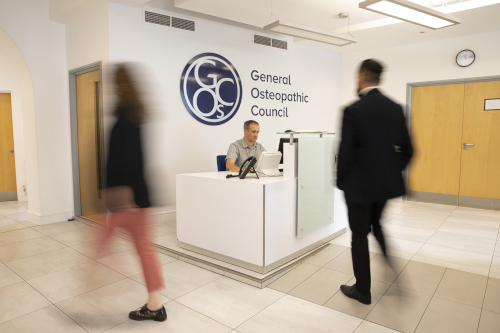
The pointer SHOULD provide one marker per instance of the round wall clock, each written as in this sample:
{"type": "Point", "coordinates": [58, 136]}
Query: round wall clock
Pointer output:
{"type": "Point", "coordinates": [465, 58]}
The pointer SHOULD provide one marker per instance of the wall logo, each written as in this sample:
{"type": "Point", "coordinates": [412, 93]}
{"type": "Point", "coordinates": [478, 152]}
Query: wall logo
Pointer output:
{"type": "Point", "coordinates": [211, 89]}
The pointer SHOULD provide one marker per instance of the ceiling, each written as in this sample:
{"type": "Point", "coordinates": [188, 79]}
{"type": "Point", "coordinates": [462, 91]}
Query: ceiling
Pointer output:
{"type": "Point", "coordinates": [371, 30]}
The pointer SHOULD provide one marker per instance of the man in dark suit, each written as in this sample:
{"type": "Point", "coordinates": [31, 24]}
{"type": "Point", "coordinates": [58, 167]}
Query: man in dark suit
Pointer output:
{"type": "Point", "coordinates": [375, 149]}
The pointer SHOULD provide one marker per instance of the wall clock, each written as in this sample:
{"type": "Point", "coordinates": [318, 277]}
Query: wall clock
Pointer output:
{"type": "Point", "coordinates": [465, 58]}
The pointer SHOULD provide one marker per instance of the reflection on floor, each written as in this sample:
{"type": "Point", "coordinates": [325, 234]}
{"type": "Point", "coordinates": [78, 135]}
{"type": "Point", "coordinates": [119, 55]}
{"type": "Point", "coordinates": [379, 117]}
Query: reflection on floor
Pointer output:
{"type": "Point", "coordinates": [446, 279]}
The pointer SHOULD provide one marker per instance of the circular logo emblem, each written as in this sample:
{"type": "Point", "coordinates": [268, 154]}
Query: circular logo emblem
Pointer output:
{"type": "Point", "coordinates": [211, 89]}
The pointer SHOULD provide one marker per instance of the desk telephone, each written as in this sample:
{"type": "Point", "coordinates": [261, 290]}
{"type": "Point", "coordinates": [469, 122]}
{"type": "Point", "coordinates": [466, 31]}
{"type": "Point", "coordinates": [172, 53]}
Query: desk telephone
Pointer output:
{"type": "Point", "coordinates": [246, 166]}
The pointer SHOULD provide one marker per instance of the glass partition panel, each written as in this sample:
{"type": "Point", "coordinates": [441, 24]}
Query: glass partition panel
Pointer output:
{"type": "Point", "coordinates": [316, 184]}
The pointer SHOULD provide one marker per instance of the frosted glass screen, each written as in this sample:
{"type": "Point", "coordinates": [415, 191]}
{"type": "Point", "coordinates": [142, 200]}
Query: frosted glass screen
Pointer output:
{"type": "Point", "coordinates": [316, 184]}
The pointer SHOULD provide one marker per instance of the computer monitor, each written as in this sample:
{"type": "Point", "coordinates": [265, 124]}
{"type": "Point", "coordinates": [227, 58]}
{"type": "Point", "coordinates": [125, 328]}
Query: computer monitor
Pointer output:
{"type": "Point", "coordinates": [268, 163]}
{"type": "Point", "coordinates": [280, 148]}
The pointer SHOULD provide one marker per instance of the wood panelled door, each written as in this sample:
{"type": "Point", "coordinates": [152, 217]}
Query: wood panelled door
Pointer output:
{"type": "Point", "coordinates": [436, 131]}
{"type": "Point", "coordinates": [8, 186]}
{"type": "Point", "coordinates": [90, 161]}
{"type": "Point", "coordinates": [457, 145]}
{"type": "Point", "coordinates": [480, 175]}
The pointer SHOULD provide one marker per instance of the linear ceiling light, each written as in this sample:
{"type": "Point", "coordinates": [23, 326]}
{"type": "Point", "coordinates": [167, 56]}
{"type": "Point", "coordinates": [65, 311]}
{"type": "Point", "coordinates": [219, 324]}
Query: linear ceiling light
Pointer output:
{"type": "Point", "coordinates": [309, 33]}
{"type": "Point", "coordinates": [410, 12]}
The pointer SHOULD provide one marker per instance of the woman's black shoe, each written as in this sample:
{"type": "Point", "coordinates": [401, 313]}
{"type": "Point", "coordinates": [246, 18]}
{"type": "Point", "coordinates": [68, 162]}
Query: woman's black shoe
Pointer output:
{"type": "Point", "coordinates": [145, 314]}
{"type": "Point", "coordinates": [351, 292]}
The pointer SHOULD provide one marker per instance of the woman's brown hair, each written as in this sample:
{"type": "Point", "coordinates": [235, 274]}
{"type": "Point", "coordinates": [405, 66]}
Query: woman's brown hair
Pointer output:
{"type": "Point", "coordinates": [128, 96]}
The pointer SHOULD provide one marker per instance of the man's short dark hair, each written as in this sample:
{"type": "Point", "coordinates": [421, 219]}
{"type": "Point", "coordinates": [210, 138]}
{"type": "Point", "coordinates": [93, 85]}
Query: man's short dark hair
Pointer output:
{"type": "Point", "coordinates": [247, 124]}
{"type": "Point", "coordinates": [372, 70]}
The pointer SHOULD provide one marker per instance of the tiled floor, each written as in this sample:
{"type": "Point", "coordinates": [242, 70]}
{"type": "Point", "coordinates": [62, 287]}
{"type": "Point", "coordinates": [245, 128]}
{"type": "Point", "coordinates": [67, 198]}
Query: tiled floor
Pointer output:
{"type": "Point", "coordinates": [446, 278]}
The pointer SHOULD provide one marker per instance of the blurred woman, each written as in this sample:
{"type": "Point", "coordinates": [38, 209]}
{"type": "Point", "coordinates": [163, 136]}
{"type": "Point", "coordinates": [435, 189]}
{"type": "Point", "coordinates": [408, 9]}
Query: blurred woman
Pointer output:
{"type": "Point", "coordinates": [126, 194]}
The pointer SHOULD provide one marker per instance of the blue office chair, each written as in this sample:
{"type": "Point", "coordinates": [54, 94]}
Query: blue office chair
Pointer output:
{"type": "Point", "coordinates": [221, 162]}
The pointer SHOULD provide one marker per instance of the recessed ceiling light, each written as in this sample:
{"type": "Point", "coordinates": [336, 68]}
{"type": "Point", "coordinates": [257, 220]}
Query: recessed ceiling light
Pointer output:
{"type": "Point", "coordinates": [410, 12]}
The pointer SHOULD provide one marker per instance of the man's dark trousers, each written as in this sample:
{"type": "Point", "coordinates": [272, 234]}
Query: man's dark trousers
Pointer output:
{"type": "Point", "coordinates": [364, 218]}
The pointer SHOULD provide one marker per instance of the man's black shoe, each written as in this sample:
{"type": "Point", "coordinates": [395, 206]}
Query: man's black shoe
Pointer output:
{"type": "Point", "coordinates": [351, 292]}
{"type": "Point", "coordinates": [145, 314]}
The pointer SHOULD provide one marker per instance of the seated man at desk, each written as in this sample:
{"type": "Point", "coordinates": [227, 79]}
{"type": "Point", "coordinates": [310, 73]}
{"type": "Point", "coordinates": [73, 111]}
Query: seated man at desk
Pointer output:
{"type": "Point", "coordinates": [242, 149]}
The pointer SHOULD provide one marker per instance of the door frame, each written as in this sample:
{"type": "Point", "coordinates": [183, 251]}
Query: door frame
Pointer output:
{"type": "Point", "coordinates": [77, 205]}
{"type": "Point", "coordinates": [409, 87]}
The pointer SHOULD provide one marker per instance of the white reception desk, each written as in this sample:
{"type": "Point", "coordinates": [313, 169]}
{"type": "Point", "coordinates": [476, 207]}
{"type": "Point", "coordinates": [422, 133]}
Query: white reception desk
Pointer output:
{"type": "Point", "coordinates": [251, 223]}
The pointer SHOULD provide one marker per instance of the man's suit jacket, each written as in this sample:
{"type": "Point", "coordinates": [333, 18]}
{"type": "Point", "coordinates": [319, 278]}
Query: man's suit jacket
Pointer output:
{"type": "Point", "coordinates": [375, 149]}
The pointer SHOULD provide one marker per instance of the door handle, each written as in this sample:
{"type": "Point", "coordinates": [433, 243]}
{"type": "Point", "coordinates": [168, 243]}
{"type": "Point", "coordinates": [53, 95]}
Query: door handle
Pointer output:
{"type": "Point", "coordinates": [467, 144]}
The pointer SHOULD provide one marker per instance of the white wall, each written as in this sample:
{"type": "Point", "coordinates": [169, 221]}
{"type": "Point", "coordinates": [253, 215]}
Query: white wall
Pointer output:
{"type": "Point", "coordinates": [9, 83]}
{"type": "Point", "coordinates": [176, 142]}
{"type": "Point", "coordinates": [423, 62]}
{"type": "Point", "coordinates": [46, 129]}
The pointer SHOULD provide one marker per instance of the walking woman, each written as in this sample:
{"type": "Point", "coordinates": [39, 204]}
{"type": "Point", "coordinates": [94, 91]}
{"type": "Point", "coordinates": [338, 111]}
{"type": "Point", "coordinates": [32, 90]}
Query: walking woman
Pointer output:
{"type": "Point", "coordinates": [126, 195]}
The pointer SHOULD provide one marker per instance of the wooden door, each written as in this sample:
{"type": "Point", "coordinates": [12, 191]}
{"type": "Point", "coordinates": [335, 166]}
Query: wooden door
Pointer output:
{"type": "Point", "coordinates": [480, 175]}
{"type": "Point", "coordinates": [90, 161]}
{"type": "Point", "coordinates": [8, 186]}
{"type": "Point", "coordinates": [436, 131]}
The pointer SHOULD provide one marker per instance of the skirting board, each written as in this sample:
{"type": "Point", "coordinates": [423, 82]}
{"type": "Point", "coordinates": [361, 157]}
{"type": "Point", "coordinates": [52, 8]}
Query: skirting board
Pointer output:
{"type": "Point", "coordinates": [259, 269]}
{"type": "Point", "coordinates": [48, 219]}
{"type": "Point", "coordinates": [8, 196]}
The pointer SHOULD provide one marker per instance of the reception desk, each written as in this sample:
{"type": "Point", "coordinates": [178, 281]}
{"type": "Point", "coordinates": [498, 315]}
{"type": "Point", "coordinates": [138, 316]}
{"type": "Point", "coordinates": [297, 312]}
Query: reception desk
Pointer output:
{"type": "Point", "coordinates": [251, 223]}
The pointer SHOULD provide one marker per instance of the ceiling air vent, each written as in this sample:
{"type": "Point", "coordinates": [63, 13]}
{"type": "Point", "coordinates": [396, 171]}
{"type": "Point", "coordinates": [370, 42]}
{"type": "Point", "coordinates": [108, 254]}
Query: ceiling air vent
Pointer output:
{"type": "Point", "coordinates": [280, 44]}
{"type": "Point", "coordinates": [262, 40]}
{"type": "Point", "coordinates": [182, 24]}
{"type": "Point", "coordinates": [156, 18]}
{"type": "Point", "coordinates": [268, 41]}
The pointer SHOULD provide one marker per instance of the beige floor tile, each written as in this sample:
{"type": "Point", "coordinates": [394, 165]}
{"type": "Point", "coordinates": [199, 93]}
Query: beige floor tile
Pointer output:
{"type": "Point", "coordinates": [407, 233]}
{"type": "Point", "coordinates": [344, 304]}
{"type": "Point", "coordinates": [293, 278]}
{"type": "Point", "coordinates": [17, 236]}
{"type": "Point", "coordinates": [11, 226]}
{"type": "Point", "coordinates": [106, 307]}
{"type": "Point", "coordinates": [462, 242]}
{"type": "Point", "coordinates": [19, 299]}
{"type": "Point", "coordinates": [396, 247]}
{"type": "Point", "coordinates": [384, 218]}
{"type": "Point", "coordinates": [492, 296]}
{"type": "Point", "coordinates": [181, 319]}
{"type": "Point", "coordinates": [78, 236]}
{"type": "Point", "coordinates": [426, 213]}
{"type": "Point", "coordinates": [497, 249]}
{"type": "Point", "coordinates": [485, 221]}
{"type": "Point", "coordinates": [416, 222]}
{"type": "Point", "coordinates": [181, 278]}
{"type": "Point", "coordinates": [28, 223]}
{"type": "Point", "coordinates": [165, 238]}
{"type": "Point", "coordinates": [400, 309]}
{"type": "Point", "coordinates": [489, 323]}
{"type": "Point", "coordinates": [46, 320]}
{"type": "Point", "coordinates": [433, 206]}
{"type": "Point", "coordinates": [478, 212]}
{"type": "Point", "coordinates": [462, 287]}
{"type": "Point", "coordinates": [470, 230]}
{"type": "Point", "coordinates": [74, 281]}
{"type": "Point", "coordinates": [321, 286]}
{"type": "Point", "coordinates": [394, 210]}
{"type": "Point", "coordinates": [8, 277]}
{"type": "Point", "coordinates": [5, 221]}
{"type": "Point", "coordinates": [163, 229]}
{"type": "Point", "coordinates": [327, 254]}
{"type": "Point", "coordinates": [229, 302]}
{"type": "Point", "coordinates": [368, 327]}
{"type": "Point", "coordinates": [382, 272]}
{"type": "Point", "coordinates": [116, 245]}
{"type": "Point", "coordinates": [46, 263]}
{"type": "Point", "coordinates": [342, 240]}
{"type": "Point", "coordinates": [473, 262]}
{"type": "Point", "coordinates": [28, 248]}
{"type": "Point", "coordinates": [343, 262]}
{"type": "Point", "coordinates": [495, 267]}
{"type": "Point", "coordinates": [128, 263]}
{"type": "Point", "coordinates": [56, 228]}
{"type": "Point", "coordinates": [293, 315]}
{"type": "Point", "coordinates": [446, 316]}
{"type": "Point", "coordinates": [18, 217]}
{"type": "Point", "coordinates": [421, 277]}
